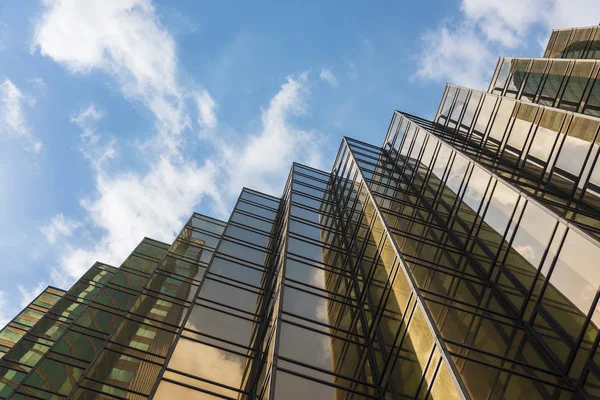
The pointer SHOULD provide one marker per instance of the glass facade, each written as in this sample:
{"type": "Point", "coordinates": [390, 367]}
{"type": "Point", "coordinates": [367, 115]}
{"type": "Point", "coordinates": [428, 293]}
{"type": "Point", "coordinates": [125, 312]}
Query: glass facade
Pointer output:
{"type": "Point", "coordinates": [572, 85]}
{"type": "Point", "coordinates": [574, 43]}
{"type": "Point", "coordinates": [457, 260]}
{"type": "Point", "coordinates": [22, 323]}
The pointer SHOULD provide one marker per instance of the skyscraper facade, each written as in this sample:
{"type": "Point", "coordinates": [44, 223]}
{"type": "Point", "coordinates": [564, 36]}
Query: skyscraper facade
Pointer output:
{"type": "Point", "coordinates": [458, 260]}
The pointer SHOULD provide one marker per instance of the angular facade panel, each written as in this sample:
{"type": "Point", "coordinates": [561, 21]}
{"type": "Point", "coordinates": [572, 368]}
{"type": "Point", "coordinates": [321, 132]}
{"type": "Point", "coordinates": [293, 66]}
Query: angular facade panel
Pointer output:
{"type": "Point", "coordinates": [458, 260]}
{"type": "Point", "coordinates": [574, 43]}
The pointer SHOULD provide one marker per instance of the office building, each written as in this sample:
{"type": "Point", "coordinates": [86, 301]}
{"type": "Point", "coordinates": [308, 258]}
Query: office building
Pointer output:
{"type": "Point", "coordinates": [457, 260]}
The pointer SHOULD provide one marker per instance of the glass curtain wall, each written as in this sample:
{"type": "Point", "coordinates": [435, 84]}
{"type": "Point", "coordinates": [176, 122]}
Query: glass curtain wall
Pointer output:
{"type": "Point", "coordinates": [62, 344]}
{"type": "Point", "coordinates": [22, 323]}
{"type": "Point", "coordinates": [522, 278]}
{"type": "Point", "coordinates": [572, 85]}
{"type": "Point", "coordinates": [574, 43]}
{"type": "Point", "coordinates": [551, 154]}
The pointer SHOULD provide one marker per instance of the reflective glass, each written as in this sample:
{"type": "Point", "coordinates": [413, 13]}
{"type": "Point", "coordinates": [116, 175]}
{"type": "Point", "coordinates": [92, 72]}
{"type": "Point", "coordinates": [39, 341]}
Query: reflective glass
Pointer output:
{"type": "Point", "coordinates": [208, 362]}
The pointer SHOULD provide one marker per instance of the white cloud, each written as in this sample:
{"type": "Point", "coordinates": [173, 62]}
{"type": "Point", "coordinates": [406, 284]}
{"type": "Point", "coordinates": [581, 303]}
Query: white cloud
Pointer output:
{"type": "Point", "coordinates": [458, 55]}
{"type": "Point", "coordinates": [263, 162]}
{"type": "Point", "coordinates": [93, 146]}
{"type": "Point", "coordinates": [464, 52]}
{"type": "Point", "coordinates": [27, 295]}
{"type": "Point", "coordinates": [58, 227]}
{"type": "Point", "coordinates": [38, 84]}
{"type": "Point", "coordinates": [123, 38]}
{"type": "Point", "coordinates": [128, 206]}
{"type": "Point", "coordinates": [206, 110]}
{"type": "Point", "coordinates": [91, 113]}
{"type": "Point", "coordinates": [12, 115]}
{"type": "Point", "coordinates": [328, 76]}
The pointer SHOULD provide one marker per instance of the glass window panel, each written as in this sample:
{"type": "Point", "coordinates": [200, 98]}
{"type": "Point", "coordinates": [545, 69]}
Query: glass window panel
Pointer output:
{"type": "Point", "coordinates": [470, 110]}
{"type": "Point", "coordinates": [152, 249]}
{"type": "Point", "coordinates": [503, 74]}
{"type": "Point", "coordinates": [576, 145]}
{"type": "Point", "coordinates": [546, 134]}
{"type": "Point", "coordinates": [505, 112]}
{"type": "Point", "coordinates": [207, 224]}
{"type": "Point", "coordinates": [28, 317]}
{"type": "Point", "coordinates": [305, 273]}
{"type": "Point", "coordinates": [458, 107]}
{"type": "Point", "coordinates": [534, 79]}
{"type": "Point", "coordinates": [308, 250]}
{"type": "Point", "coordinates": [242, 252]}
{"type": "Point", "coordinates": [443, 386]}
{"type": "Point", "coordinates": [260, 198]}
{"type": "Point", "coordinates": [573, 275]}
{"type": "Point", "coordinates": [445, 108]}
{"type": "Point", "coordinates": [414, 354]}
{"type": "Point", "coordinates": [54, 376]}
{"type": "Point", "coordinates": [79, 346]}
{"type": "Point", "coordinates": [256, 210]}
{"type": "Point", "coordinates": [292, 387]}
{"type": "Point", "coordinates": [183, 268]}
{"type": "Point", "coordinates": [408, 138]}
{"type": "Point", "coordinates": [320, 350]}
{"type": "Point", "coordinates": [529, 243]}
{"type": "Point", "coordinates": [306, 305]}
{"type": "Point", "coordinates": [173, 287]}
{"type": "Point", "coordinates": [168, 391]}
{"type": "Point", "coordinates": [220, 325]}
{"type": "Point", "coordinates": [593, 102]}
{"type": "Point", "coordinates": [201, 238]}
{"type": "Point", "coordinates": [27, 353]}
{"type": "Point", "coordinates": [477, 185]}
{"type": "Point", "coordinates": [253, 222]}
{"type": "Point", "coordinates": [519, 69]}
{"type": "Point", "coordinates": [86, 394]}
{"type": "Point", "coordinates": [115, 298]}
{"type": "Point", "coordinates": [233, 270]}
{"type": "Point", "coordinates": [141, 264]}
{"type": "Point", "coordinates": [99, 320]}
{"type": "Point", "coordinates": [594, 51]}
{"type": "Point", "coordinates": [144, 337]}
{"type": "Point", "coordinates": [84, 290]}
{"type": "Point", "coordinates": [159, 309]}
{"type": "Point", "coordinates": [97, 274]}
{"type": "Point", "coordinates": [229, 295]}
{"type": "Point", "coordinates": [485, 114]}
{"type": "Point", "coordinates": [247, 235]}
{"type": "Point", "coordinates": [129, 280]}
{"type": "Point", "coordinates": [549, 92]}
{"type": "Point", "coordinates": [560, 43]}
{"type": "Point", "coordinates": [577, 82]}
{"type": "Point", "coordinates": [209, 363]}
{"type": "Point", "coordinates": [124, 371]}
{"type": "Point", "coordinates": [48, 329]}
{"type": "Point", "coordinates": [578, 43]}
{"type": "Point", "coordinates": [521, 127]}
{"type": "Point", "coordinates": [9, 379]}
{"type": "Point", "coordinates": [196, 251]}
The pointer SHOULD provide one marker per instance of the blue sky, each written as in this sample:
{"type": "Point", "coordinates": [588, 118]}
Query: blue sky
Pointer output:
{"type": "Point", "coordinates": [118, 118]}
